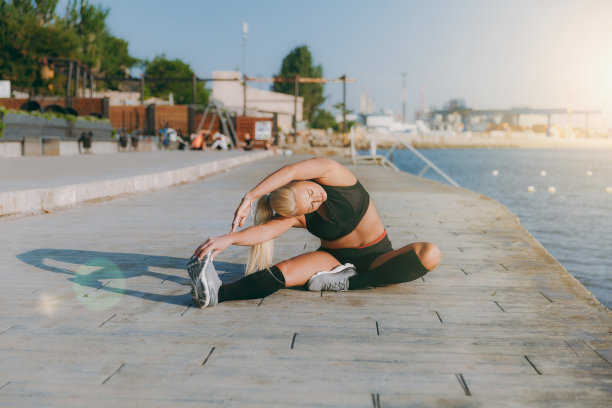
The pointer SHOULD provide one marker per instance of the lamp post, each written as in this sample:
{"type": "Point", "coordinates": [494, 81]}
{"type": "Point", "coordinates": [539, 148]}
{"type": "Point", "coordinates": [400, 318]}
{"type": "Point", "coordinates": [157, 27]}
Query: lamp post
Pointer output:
{"type": "Point", "coordinates": [245, 30]}
{"type": "Point", "coordinates": [403, 97]}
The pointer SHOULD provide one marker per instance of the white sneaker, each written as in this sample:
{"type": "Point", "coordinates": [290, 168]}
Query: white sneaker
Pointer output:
{"type": "Point", "coordinates": [336, 280]}
{"type": "Point", "coordinates": [205, 282]}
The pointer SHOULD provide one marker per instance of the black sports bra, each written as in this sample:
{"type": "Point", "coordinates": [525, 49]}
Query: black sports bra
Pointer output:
{"type": "Point", "coordinates": [346, 207]}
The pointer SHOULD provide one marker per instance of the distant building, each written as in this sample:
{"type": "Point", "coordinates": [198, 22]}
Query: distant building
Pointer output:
{"type": "Point", "coordinates": [386, 122]}
{"type": "Point", "coordinates": [259, 102]}
{"type": "Point", "coordinates": [457, 116]}
{"type": "Point", "coordinates": [118, 98]}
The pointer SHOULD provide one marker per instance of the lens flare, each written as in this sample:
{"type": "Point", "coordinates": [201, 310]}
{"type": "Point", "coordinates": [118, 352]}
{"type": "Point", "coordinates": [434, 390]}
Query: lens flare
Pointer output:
{"type": "Point", "coordinates": [47, 304]}
{"type": "Point", "coordinates": [99, 284]}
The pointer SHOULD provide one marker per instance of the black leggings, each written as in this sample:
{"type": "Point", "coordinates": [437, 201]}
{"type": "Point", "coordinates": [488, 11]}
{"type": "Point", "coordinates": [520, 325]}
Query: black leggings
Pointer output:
{"type": "Point", "coordinates": [401, 268]}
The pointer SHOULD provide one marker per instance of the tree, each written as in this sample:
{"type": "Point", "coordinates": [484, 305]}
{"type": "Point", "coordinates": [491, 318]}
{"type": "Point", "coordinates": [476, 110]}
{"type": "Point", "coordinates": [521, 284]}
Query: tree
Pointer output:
{"type": "Point", "coordinates": [323, 119]}
{"type": "Point", "coordinates": [102, 52]}
{"type": "Point", "coordinates": [299, 62]}
{"type": "Point", "coordinates": [162, 67]}
{"type": "Point", "coordinates": [30, 30]}
{"type": "Point", "coordinates": [28, 33]}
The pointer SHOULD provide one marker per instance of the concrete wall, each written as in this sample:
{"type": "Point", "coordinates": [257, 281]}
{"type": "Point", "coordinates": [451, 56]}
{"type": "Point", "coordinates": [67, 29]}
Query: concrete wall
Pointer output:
{"type": "Point", "coordinates": [18, 126]}
{"type": "Point", "coordinates": [10, 149]}
{"type": "Point", "coordinates": [97, 147]}
{"type": "Point", "coordinates": [69, 147]}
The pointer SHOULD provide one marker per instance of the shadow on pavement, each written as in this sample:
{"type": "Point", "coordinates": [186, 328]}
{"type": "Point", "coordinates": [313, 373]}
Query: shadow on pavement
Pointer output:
{"type": "Point", "coordinates": [108, 271]}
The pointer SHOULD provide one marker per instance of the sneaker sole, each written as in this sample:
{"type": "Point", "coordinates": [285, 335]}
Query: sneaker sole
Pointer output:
{"type": "Point", "coordinates": [199, 286]}
{"type": "Point", "coordinates": [195, 293]}
{"type": "Point", "coordinates": [337, 269]}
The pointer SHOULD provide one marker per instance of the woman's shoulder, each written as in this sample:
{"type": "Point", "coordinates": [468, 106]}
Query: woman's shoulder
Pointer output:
{"type": "Point", "coordinates": [340, 176]}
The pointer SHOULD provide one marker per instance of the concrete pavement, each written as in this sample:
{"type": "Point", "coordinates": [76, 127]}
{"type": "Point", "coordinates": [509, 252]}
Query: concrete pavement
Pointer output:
{"type": "Point", "coordinates": [96, 311]}
{"type": "Point", "coordinates": [31, 185]}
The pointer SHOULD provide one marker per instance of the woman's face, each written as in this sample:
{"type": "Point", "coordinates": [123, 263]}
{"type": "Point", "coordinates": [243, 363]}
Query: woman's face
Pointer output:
{"type": "Point", "coordinates": [309, 196]}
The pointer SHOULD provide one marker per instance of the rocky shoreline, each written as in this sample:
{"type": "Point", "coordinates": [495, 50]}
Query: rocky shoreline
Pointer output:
{"type": "Point", "coordinates": [318, 142]}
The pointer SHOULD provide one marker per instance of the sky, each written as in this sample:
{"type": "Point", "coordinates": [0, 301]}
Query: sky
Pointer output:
{"type": "Point", "coordinates": [491, 53]}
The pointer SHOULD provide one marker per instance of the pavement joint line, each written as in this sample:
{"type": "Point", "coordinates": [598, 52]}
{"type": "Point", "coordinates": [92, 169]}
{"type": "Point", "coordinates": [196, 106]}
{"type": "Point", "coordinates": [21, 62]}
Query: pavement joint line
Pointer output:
{"type": "Point", "coordinates": [571, 348]}
{"type": "Point", "coordinates": [547, 298]}
{"type": "Point", "coordinates": [167, 277]}
{"type": "Point", "coordinates": [1, 333]}
{"type": "Point", "coordinates": [261, 301]}
{"type": "Point", "coordinates": [376, 400]}
{"type": "Point", "coordinates": [114, 372]}
{"type": "Point", "coordinates": [440, 318]}
{"type": "Point", "coordinates": [377, 329]}
{"type": "Point", "coordinates": [463, 384]}
{"type": "Point", "coordinates": [293, 340]}
{"type": "Point", "coordinates": [460, 249]}
{"type": "Point", "coordinates": [5, 384]}
{"type": "Point", "coordinates": [463, 270]}
{"type": "Point", "coordinates": [101, 286]}
{"type": "Point", "coordinates": [30, 294]}
{"type": "Point", "coordinates": [504, 266]}
{"type": "Point", "coordinates": [208, 356]}
{"type": "Point", "coordinates": [107, 320]}
{"type": "Point", "coordinates": [186, 309]}
{"type": "Point", "coordinates": [502, 309]}
{"type": "Point", "coordinates": [532, 365]}
{"type": "Point", "coordinates": [596, 352]}
{"type": "Point", "coordinates": [602, 357]}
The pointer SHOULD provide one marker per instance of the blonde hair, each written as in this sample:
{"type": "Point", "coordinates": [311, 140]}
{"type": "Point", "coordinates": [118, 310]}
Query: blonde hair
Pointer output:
{"type": "Point", "coordinates": [283, 201]}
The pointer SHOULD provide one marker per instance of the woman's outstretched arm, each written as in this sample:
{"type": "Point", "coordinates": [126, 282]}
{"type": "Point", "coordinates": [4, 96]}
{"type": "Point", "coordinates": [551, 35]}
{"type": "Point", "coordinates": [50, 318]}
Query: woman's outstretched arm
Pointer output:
{"type": "Point", "coordinates": [249, 236]}
{"type": "Point", "coordinates": [315, 168]}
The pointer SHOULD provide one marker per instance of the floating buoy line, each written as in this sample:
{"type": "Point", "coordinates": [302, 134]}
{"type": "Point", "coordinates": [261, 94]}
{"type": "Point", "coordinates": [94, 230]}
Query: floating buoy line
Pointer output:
{"type": "Point", "coordinates": [551, 189]}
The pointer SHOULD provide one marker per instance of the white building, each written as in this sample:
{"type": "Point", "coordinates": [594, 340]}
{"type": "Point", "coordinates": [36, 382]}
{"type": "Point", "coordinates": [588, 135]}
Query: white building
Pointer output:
{"type": "Point", "coordinates": [386, 122]}
{"type": "Point", "coordinates": [259, 102]}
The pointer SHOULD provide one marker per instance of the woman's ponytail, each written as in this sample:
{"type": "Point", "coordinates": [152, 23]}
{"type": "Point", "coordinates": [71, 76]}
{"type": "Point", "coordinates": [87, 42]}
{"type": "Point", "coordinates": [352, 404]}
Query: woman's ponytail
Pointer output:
{"type": "Point", "coordinates": [260, 255]}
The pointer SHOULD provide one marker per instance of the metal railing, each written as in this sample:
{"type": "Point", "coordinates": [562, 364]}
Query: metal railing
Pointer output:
{"type": "Point", "coordinates": [374, 157]}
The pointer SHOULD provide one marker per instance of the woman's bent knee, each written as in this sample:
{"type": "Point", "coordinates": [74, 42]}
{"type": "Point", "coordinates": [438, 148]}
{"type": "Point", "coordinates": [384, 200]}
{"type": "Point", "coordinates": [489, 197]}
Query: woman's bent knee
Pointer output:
{"type": "Point", "coordinates": [299, 269]}
{"type": "Point", "coordinates": [429, 255]}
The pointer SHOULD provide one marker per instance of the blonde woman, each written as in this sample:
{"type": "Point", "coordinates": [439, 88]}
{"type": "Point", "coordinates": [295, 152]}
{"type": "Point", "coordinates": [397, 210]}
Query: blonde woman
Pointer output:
{"type": "Point", "coordinates": [324, 197]}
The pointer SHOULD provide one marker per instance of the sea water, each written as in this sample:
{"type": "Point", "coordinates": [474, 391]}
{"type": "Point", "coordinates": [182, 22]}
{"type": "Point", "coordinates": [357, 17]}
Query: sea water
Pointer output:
{"type": "Point", "coordinates": [559, 196]}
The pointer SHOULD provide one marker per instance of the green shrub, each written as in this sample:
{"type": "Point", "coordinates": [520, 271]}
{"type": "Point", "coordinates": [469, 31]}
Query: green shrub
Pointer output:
{"type": "Point", "coordinates": [49, 115]}
{"type": "Point", "coordinates": [53, 115]}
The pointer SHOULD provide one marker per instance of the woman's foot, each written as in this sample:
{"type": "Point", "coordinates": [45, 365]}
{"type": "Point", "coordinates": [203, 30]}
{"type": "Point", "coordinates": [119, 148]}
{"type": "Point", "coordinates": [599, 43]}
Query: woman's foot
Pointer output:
{"type": "Point", "coordinates": [205, 282]}
{"type": "Point", "coordinates": [336, 280]}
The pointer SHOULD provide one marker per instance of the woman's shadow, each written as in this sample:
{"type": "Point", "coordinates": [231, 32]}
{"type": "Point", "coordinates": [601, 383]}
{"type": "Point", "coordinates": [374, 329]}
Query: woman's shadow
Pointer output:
{"type": "Point", "coordinates": [99, 269]}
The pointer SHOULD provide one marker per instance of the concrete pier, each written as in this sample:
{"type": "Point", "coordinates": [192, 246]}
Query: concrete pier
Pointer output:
{"type": "Point", "coordinates": [96, 311]}
{"type": "Point", "coordinates": [36, 185]}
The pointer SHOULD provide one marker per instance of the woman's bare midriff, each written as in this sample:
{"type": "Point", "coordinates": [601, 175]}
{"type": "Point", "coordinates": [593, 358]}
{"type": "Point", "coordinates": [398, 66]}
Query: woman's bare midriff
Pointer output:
{"type": "Point", "coordinates": [369, 228]}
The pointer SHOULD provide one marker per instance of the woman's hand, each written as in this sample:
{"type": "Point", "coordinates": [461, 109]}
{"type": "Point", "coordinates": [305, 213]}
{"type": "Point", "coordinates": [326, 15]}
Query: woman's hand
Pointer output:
{"type": "Point", "coordinates": [217, 244]}
{"type": "Point", "coordinates": [242, 213]}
